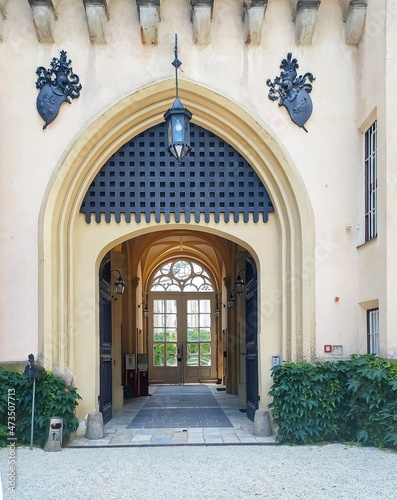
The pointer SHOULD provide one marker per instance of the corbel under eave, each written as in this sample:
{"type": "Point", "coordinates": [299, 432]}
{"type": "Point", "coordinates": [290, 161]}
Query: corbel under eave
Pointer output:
{"type": "Point", "coordinates": [354, 20]}
{"type": "Point", "coordinates": [304, 20]}
{"type": "Point", "coordinates": [149, 18]}
{"type": "Point", "coordinates": [253, 18]}
{"type": "Point", "coordinates": [97, 15]}
{"type": "Point", "coordinates": [44, 17]}
{"type": "Point", "coordinates": [201, 19]}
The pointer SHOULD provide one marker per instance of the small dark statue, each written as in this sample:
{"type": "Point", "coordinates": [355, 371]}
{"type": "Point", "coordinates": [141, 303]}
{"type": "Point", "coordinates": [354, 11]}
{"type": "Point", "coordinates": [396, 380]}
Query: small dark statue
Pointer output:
{"type": "Point", "coordinates": [56, 85]}
{"type": "Point", "coordinates": [292, 91]}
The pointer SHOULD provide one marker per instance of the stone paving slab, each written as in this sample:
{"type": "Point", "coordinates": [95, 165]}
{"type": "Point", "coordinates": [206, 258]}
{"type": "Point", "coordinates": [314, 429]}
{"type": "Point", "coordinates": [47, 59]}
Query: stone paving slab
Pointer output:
{"type": "Point", "coordinates": [180, 406]}
{"type": "Point", "coordinates": [209, 417]}
{"type": "Point", "coordinates": [118, 432]}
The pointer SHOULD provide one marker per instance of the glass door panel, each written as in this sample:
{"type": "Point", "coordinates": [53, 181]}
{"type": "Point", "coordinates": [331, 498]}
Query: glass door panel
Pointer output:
{"type": "Point", "coordinates": [205, 354]}
{"type": "Point", "coordinates": [182, 341]}
{"type": "Point", "coordinates": [192, 354]}
{"type": "Point", "coordinates": [171, 355]}
{"type": "Point", "coordinates": [164, 340]}
{"type": "Point", "coordinates": [200, 337]}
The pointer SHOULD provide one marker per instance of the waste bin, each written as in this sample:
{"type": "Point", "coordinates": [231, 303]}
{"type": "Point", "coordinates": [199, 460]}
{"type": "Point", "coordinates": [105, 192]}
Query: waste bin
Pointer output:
{"type": "Point", "coordinates": [54, 438]}
{"type": "Point", "coordinates": [143, 382]}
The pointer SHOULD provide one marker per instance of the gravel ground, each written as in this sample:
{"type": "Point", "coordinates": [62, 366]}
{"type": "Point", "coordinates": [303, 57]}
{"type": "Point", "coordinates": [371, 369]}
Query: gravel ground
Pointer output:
{"type": "Point", "coordinates": [329, 472]}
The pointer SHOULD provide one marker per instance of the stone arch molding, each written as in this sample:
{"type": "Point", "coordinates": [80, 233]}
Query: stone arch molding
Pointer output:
{"type": "Point", "coordinates": [59, 308]}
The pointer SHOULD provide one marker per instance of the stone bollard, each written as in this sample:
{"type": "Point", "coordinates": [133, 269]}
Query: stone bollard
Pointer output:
{"type": "Point", "coordinates": [262, 425]}
{"type": "Point", "coordinates": [95, 426]}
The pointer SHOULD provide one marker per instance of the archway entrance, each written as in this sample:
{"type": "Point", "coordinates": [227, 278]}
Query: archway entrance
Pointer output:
{"type": "Point", "coordinates": [215, 182]}
{"type": "Point", "coordinates": [184, 333]}
{"type": "Point", "coordinates": [72, 247]}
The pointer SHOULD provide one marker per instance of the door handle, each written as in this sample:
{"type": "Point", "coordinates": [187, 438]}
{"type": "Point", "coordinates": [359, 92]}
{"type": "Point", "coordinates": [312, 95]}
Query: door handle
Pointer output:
{"type": "Point", "coordinates": [243, 353]}
{"type": "Point", "coordinates": [180, 354]}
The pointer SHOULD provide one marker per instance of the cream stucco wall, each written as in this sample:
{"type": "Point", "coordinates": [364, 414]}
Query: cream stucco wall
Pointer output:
{"type": "Point", "coordinates": [314, 178]}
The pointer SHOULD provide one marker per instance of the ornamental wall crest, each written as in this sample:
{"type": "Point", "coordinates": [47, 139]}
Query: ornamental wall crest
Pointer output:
{"type": "Point", "coordinates": [293, 91]}
{"type": "Point", "coordinates": [56, 85]}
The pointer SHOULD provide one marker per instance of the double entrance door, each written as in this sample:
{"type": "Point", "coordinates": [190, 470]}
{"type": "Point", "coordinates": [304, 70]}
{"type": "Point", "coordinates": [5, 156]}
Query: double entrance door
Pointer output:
{"type": "Point", "coordinates": [182, 338]}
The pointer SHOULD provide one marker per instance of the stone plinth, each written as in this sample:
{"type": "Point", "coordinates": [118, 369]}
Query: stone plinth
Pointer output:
{"type": "Point", "coordinates": [262, 425]}
{"type": "Point", "coordinates": [95, 426]}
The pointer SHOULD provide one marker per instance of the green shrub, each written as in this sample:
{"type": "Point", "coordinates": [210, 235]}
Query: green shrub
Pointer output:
{"type": "Point", "coordinates": [53, 398]}
{"type": "Point", "coordinates": [373, 392]}
{"type": "Point", "coordinates": [351, 400]}
{"type": "Point", "coordinates": [307, 402]}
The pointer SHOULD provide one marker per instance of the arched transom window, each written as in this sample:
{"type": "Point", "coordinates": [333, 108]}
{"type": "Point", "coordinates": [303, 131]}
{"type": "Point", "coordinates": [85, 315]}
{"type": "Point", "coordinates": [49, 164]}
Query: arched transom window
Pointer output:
{"type": "Point", "coordinates": [181, 276]}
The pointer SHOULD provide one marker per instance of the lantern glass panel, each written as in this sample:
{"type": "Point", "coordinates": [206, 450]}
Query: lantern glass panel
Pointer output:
{"type": "Point", "coordinates": [178, 129]}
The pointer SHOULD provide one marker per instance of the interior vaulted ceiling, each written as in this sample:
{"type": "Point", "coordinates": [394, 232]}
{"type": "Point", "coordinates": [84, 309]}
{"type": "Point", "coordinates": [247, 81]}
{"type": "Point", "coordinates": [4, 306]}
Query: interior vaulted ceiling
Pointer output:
{"type": "Point", "coordinates": [157, 248]}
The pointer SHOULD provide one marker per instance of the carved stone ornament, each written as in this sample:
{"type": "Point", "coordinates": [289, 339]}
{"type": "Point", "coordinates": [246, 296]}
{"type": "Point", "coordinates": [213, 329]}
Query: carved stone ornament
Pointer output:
{"type": "Point", "coordinates": [56, 85]}
{"type": "Point", "coordinates": [292, 91]}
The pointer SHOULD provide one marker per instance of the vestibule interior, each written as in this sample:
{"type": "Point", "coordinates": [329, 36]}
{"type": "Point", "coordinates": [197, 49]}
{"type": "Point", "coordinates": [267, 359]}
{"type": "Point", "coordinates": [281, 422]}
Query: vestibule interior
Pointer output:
{"type": "Point", "coordinates": [136, 311]}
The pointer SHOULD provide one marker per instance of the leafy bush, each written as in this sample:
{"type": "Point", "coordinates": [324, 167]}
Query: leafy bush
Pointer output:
{"type": "Point", "coordinates": [373, 390]}
{"type": "Point", "coordinates": [308, 402]}
{"type": "Point", "coordinates": [351, 400]}
{"type": "Point", "coordinates": [53, 398]}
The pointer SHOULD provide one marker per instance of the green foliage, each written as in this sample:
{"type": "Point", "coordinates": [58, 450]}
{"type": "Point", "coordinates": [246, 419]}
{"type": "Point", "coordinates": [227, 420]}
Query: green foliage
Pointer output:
{"type": "Point", "coordinates": [158, 354]}
{"type": "Point", "coordinates": [53, 398]}
{"type": "Point", "coordinates": [351, 400]}
{"type": "Point", "coordinates": [373, 389]}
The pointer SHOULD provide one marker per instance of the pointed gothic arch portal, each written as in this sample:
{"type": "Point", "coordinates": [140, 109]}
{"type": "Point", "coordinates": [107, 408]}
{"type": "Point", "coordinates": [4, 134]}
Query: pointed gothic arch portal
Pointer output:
{"type": "Point", "coordinates": [141, 181]}
{"type": "Point", "coordinates": [71, 249]}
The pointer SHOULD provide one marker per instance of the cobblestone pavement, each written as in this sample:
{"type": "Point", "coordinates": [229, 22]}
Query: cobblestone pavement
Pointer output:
{"type": "Point", "coordinates": [127, 428]}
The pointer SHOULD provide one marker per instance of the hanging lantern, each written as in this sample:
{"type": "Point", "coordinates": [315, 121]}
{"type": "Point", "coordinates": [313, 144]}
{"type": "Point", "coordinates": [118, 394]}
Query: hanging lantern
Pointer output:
{"type": "Point", "coordinates": [177, 120]}
{"type": "Point", "coordinates": [178, 130]}
{"type": "Point", "coordinates": [119, 283]}
{"type": "Point", "coordinates": [231, 300]}
{"type": "Point", "coordinates": [239, 283]}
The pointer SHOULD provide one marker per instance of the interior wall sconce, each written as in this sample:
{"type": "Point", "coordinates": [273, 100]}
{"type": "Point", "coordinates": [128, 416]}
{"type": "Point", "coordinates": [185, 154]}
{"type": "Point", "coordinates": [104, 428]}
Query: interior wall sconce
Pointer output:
{"type": "Point", "coordinates": [217, 309]}
{"type": "Point", "coordinates": [145, 310]}
{"type": "Point", "coordinates": [177, 120]}
{"type": "Point", "coordinates": [119, 284]}
{"type": "Point", "coordinates": [239, 283]}
{"type": "Point", "coordinates": [231, 300]}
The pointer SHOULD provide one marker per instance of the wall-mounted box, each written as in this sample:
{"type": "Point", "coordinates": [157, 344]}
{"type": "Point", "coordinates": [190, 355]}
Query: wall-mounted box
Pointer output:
{"type": "Point", "coordinates": [276, 361]}
{"type": "Point", "coordinates": [337, 350]}
{"type": "Point", "coordinates": [130, 361]}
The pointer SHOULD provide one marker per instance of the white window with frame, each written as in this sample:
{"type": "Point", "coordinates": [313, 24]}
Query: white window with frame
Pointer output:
{"type": "Point", "coordinates": [373, 331]}
{"type": "Point", "coordinates": [371, 183]}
